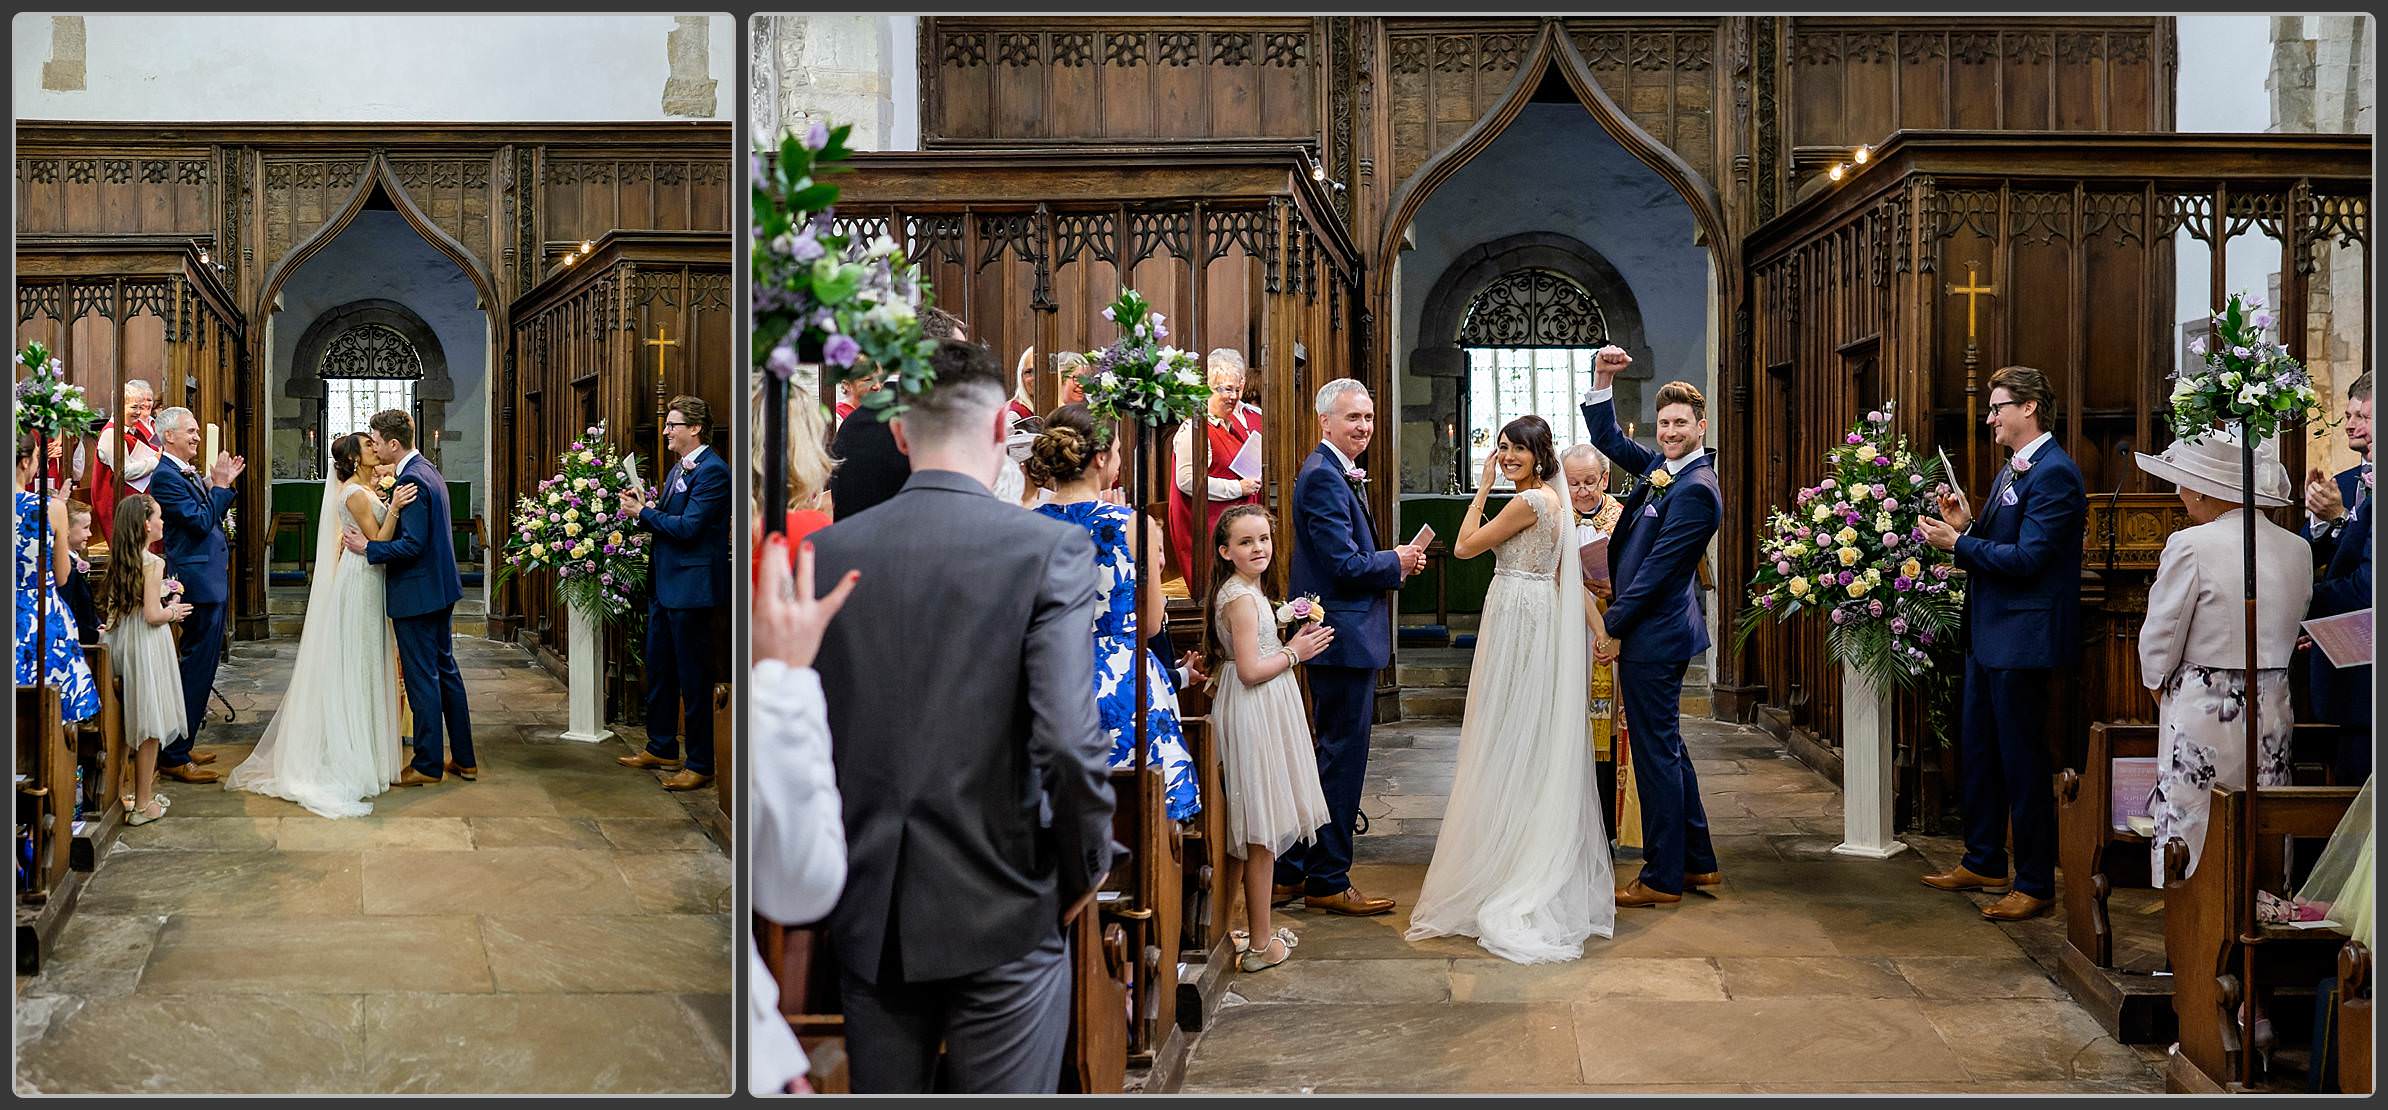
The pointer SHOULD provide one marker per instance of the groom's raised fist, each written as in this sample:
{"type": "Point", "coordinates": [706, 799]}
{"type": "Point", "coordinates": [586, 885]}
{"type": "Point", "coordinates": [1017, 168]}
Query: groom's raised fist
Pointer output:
{"type": "Point", "coordinates": [1607, 363]}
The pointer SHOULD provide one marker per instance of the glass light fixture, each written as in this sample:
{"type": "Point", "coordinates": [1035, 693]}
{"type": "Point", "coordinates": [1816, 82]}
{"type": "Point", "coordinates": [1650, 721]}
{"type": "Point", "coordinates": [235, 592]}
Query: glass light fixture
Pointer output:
{"type": "Point", "coordinates": [1838, 171]}
{"type": "Point", "coordinates": [1864, 154]}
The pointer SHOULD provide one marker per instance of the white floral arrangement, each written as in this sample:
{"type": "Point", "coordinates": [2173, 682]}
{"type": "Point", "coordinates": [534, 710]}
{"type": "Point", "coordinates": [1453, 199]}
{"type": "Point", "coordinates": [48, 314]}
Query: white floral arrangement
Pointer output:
{"type": "Point", "coordinates": [46, 402]}
{"type": "Point", "coordinates": [2246, 381]}
{"type": "Point", "coordinates": [1138, 378]}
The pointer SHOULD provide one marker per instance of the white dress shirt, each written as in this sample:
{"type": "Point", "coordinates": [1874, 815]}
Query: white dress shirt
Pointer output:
{"type": "Point", "coordinates": [799, 833]}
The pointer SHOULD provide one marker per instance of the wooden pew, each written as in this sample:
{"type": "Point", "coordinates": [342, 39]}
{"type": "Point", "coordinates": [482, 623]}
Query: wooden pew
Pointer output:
{"type": "Point", "coordinates": [46, 799]}
{"type": "Point", "coordinates": [725, 758]}
{"type": "Point", "coordinates": [2354, 1019]}
{"type": "Point", "coordinates": [1149, 887]}
{"type": "Point", "coordinates": [2202, 915]}
{"type": "Point", "coordinates": [1096, 1056]}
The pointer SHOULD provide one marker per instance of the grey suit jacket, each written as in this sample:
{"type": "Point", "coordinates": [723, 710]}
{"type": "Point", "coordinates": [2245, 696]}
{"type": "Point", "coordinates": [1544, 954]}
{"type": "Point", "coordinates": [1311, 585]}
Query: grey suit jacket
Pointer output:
{"type": "Point", "coordinates": [960, 682]}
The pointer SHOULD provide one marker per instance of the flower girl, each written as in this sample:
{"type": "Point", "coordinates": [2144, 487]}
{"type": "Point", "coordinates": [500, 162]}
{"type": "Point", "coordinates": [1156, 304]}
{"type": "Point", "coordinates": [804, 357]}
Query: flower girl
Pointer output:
{"type": "Point", "coordinates": [134, 597]}
{"type": "Point", "coordinates": [1265, 760]}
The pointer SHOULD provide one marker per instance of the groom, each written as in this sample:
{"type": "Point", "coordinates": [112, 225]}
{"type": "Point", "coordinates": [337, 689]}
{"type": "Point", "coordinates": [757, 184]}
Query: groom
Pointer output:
{"type": "Point", "coordinates": [423, 591]}
{"type": "Point", "coordinates": [1336, 559]}
{"type": "Point", "coordinates": [1657, 623]}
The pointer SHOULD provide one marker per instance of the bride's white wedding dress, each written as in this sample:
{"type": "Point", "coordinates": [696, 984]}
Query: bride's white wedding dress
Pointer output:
{"type": "Point", "coordinates": [1522, 863]}
{"type": "Point", "coordinates": [334, 742]}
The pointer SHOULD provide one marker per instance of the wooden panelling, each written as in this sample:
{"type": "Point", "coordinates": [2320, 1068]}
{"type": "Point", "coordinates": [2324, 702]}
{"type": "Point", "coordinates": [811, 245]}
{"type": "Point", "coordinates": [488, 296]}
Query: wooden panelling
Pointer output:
{"type": "Point", "coordinates": [150, 191]}
{"type": "Point", "coordinates": [1014, 79]}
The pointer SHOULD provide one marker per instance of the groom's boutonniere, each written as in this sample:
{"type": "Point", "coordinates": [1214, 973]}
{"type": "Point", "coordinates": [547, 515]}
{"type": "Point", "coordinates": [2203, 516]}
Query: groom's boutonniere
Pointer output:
{"type": "Point", "coordinates": [1299, 609]}
{"type": "Point", "coordinates": [1659, 480]}
{"type": "Point", "coordinates": [386, 485]}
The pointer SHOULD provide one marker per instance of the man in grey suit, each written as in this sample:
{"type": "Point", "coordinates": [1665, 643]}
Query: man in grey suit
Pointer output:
{"type": "Point", "coordinates": [975, 772]}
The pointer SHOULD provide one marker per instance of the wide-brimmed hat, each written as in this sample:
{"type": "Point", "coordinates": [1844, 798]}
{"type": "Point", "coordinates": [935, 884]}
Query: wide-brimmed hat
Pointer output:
{"type": "Point", "coordinates": [2211, 466]}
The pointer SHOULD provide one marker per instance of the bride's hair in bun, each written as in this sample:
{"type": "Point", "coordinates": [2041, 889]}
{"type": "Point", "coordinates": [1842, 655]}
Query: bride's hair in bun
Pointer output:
{"type": "Point", "coordinates": [346, 450]}
{"type": "Point", "coordinates": [1069, 443]}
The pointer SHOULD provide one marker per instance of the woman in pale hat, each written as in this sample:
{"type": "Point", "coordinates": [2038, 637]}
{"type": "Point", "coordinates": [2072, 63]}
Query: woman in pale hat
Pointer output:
{"type": "Point", "coordinates": [2193, 646]}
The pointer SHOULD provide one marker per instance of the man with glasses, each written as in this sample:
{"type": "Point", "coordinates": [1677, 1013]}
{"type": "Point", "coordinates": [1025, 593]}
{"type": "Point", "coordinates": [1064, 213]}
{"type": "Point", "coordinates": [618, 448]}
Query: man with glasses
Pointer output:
{"type": "Point", "coordinates": [689, 576]}
{"type": "Point", "coordinates": [2022, 558]}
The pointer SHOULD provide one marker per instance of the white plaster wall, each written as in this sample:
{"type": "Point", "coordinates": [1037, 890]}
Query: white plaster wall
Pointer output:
{"type": "Point", "coordinates": [353, 68]}
{"type": "Point", "coordinates": [1554, 169]}
{"type": "Point", "coordinates": [380, 256]}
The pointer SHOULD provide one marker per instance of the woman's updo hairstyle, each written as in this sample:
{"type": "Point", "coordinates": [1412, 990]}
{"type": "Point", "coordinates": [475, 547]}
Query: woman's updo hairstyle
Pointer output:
{"type": "Point", "coordinates": [1532, 435]}
{"type": "Point", "coordinates": [1069, 443]}
{"type": "Point", "coordinates": [346, 450]}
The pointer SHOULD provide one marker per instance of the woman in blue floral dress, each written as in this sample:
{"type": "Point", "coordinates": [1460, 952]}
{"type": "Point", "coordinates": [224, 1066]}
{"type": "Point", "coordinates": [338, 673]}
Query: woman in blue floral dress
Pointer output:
{"type": "Point", "coordinates": [56, 654]}
{"type": "Point", "coordinates": [1078, 462]}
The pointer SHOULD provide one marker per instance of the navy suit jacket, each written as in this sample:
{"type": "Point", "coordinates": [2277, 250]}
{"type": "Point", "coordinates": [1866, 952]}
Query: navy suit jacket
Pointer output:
{"type": "Point", "coordinates": [1335, 556]}
{"type": "Point", "coordinates": [422, 557]}
{"type": "Point", "coordinates": [2023, 567]}
{"type": "Point", "coordinates": [1654, 559]}
{"type": "Point", "coordinates": [2324, 543]}
{"type": "Point", "coordinates": [2342, 696]}
{"type": "Point", "coordinates": [196, 551]}
{"type": "Point", "coordinates": [691, 523]}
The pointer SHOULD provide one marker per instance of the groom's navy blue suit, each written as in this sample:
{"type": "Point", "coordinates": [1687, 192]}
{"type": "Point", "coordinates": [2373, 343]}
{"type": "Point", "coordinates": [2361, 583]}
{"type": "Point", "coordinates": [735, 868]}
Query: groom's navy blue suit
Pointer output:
{"type": "Point", "coordinates": [2022, 560]}
{"type": "Point", "coordinates": [1661, 619]}
{"type": "Point", "coordinates": [1336, 558]}
{"type": "Point", "coordinates": [198, 557]}
{"type": "Point", "coordinates": [690, 609]}
{"type": "Point", "coordinates": [423, 591]}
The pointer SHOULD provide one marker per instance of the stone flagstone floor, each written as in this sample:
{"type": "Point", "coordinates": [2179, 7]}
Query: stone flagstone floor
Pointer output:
{"type": "Point", "coordinates": [560, 926]}
{"type": "Point", "coordinates": [1806, 972]}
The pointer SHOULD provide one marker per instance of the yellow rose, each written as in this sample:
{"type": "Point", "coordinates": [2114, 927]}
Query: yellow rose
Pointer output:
{"type": "Point", "coordinates": [588, 456]}
{"type": "Point", "coordinates": [1849, 556]}
{"type": "Point", "coordinates": [1866, 453]}
{"type": "Point", "coordinates": [1799, 587]}
{"type": "Point", "coordinates": [581, 550]}
{"type": "Point", "coordinates": [1796, 550]}
{"type": "Point", "coordinates": [572, 514]}
{"type": "Point", "coordinates": [1859, 491]}
{"type": "Point", "coordinates": [538, 549]}
{"type": "Point", "coordinates": [1858, 587]}
{"type": "Point", "coordinates": [1660, 479]}
{"type": "Point", "coordinates": [571, 529]}
{"type": "Point", "coordinates": [614, 539]}
{"type": "Point", "coordinates": [1911, 569]}
{"type": "Point", "coordinates": [1874, 575]}
{"type": "Point", "coordinates": [1846, 535]}
{"type": "Point", "coordinates": [1822, 514]}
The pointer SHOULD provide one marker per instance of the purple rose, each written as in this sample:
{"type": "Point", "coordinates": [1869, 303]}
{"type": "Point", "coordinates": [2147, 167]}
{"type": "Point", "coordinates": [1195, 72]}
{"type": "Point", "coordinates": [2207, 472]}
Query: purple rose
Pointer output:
{"type": "Point", "coordinates": [1890, 504]}
{"type": "Point", "coordinates": [1925, 635]}
{"type": "Point", "coordinates": [1782, 566]}
{"type": "Point", "coordinates": [1766, 602]}
{"type": "Point", "coordinates": [783, 362]}
{"type": "Point", "coordinates": [1880, 489]}
{"type": "Point", "coordinates": [1876, 417]}
{"type": "Point", "coordinates": [1803, 531]}
{"type": "Point", "coordinates": [1827, 484]}
{"type": "Point", "coordinates": [816, 136]}
{"type": "Point", "coordinates": [2264, 320]}
{"type": "Point", "coordinates": [1846, 578]}
{"type": "Point", "coordinates": [607, 577]}
{"type": "Point", "coordinates": [1899, 626]}
{"type": "Point", "coordinates": [1902, 582]}
{"type": "Point", "coordinates": [2197, 346]}
{"type": "Point", "coordinates": [841, 350]}
{"type": "Point", "coordinates": [591, 566]}
{"type": "Point", "coordinates": [1915, 479]}
{"type": "Point", "coordinates": [1840, 616]}
{"type": "Point", "coordinates": [1855, 439]}
{"type": "Point", "coordinates": [1882, 461]}
{"type": "Point", "coordinates": [1873, 608]}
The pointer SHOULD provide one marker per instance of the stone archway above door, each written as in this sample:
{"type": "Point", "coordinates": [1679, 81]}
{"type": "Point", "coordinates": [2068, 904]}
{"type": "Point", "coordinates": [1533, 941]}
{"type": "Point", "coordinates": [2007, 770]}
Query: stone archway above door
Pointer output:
{"type": "Point", "coordinates": [383, 330]}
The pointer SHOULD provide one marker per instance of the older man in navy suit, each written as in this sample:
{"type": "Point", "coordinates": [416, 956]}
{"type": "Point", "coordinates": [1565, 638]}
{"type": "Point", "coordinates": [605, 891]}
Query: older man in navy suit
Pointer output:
{"type": "Point", "coordinates": [691, 584]}
{"type": "Point", "coordinates": [1657, 620]}
{"type": "Point", "coordinates": [1336, 558]}
{"type": "Point", "coordinates": [422, 592]}
{"type": "Point", "coordinates": [197, 556]}
{"type": "Point", "coordinates": [2339, 526]}
{"type": "Point", "coordinates": [2022, 559]}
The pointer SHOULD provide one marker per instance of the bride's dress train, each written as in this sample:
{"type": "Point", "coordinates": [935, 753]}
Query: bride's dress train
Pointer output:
{"type": "Point", "coordinates": [334, 742]}
{"type": "Point", "coordinates": [1522, 862]}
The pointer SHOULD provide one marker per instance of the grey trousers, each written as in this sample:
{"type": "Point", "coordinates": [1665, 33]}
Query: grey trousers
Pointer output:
{"type": "Point", "coordinates": [1003, 1029]}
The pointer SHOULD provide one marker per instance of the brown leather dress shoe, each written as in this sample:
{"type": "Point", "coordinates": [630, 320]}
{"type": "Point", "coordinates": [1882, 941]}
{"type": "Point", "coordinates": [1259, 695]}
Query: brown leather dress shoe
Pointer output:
{"type": "Point", "coordinates": [1349, 903]}
{"type": "Point", "coordinates": [203, 758]}
{"type": "Point", "coordinates": [461, 771]}
{"type": "Point", "coordinates": [642, 759]}
{"type": "Point", "coordinates": [1958, 878]}
{"type": "Point", "coordinates": [2017, 906]}
{"type": "Point", "coordinates": [688, 780]}
{"type": "Point", "coordinates": [1281, 895]}
{"type": "Point", "coordinates": [1635, 894]}
{"type": "Point", "coordinates": [412, 777]}
{"type": "Point", "coordinates": [1704, 878]}
{"type": "Point", "coordinates": [190, 772]}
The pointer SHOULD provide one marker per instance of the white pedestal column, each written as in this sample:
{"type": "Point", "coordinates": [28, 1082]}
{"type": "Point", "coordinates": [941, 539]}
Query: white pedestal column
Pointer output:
{"type": "Point", "coordinates": [1866, 716]}
{"type": "Point", "coordinates": [587, 688]}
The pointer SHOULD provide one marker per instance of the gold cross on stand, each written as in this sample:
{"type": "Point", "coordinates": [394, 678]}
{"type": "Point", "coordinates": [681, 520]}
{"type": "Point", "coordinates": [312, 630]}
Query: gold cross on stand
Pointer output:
{"type": "Point", "coordinates": [662, 469]}
{"type": "Point", "coordinates": [1972, 290]}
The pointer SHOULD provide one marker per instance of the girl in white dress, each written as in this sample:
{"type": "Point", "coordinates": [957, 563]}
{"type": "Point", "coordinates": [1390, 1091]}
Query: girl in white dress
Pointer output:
{"type": "Point", "coordinates": [1266, 765]}
{"type": "Point", "coordinates": [1522, 863]}
{"type": "Point", "coordinates": [334, 742]}
{"type": "Point", "coordinates": [133, 597]}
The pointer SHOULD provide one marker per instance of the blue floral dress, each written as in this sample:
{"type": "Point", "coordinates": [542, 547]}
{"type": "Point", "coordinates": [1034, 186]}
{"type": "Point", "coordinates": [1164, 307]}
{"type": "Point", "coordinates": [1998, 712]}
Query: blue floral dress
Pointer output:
{"type": "Point", "coordinates": [58, 648]}
{"type": "Point", "coordinates": [1117, 646]}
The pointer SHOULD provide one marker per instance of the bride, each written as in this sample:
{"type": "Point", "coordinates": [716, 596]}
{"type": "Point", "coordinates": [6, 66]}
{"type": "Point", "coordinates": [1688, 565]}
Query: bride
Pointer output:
{"type": "Point", "coordinates": [334, 742]}
{"type": "Point", "coordinates": [1522, 863]}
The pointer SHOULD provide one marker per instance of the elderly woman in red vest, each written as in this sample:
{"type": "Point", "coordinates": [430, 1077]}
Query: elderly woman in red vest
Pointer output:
{"type": "Point", "coordinates": [1229, 423]}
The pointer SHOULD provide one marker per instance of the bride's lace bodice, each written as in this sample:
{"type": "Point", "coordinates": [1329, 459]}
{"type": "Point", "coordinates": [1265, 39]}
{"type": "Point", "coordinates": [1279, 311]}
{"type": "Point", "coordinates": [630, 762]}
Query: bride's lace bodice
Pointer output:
{"type": "Point", "coordinates": [1534, 551]}
{"type": "Point", "coordinates": [1235, 588]}
{"type": "Point", "coordinates": [381, 509]}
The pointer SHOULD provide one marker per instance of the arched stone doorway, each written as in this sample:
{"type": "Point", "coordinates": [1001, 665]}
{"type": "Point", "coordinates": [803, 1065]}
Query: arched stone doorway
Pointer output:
{"type": "Point", "coordinates": [371, 340]}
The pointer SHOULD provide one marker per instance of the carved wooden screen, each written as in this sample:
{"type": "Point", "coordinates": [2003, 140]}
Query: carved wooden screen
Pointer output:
{"type": "Point", "coordinates": [1011, 79]}
{"type": "Point", "coordinates": [581, 346]}
{"type": "Point", "coordinates": [1234, 244]}
{"type": "Point", "coordinates": [2077, 236]}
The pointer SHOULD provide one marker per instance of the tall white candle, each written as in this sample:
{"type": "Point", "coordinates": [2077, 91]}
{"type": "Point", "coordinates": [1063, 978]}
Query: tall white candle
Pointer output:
{"type": "Point", "coordinates": [214, 441]}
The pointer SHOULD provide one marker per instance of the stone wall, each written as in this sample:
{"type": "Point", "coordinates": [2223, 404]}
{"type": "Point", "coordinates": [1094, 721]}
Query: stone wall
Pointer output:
{"type": "Point", "coordinates": [840, 69]}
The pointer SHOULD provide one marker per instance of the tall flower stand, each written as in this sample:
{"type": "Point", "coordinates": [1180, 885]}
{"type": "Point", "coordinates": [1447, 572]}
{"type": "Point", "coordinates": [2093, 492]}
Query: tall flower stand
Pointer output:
{"type": "Point", "coordinates": [1866, 716]}
{"type": "Point", "coordinates": [586, 663]}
